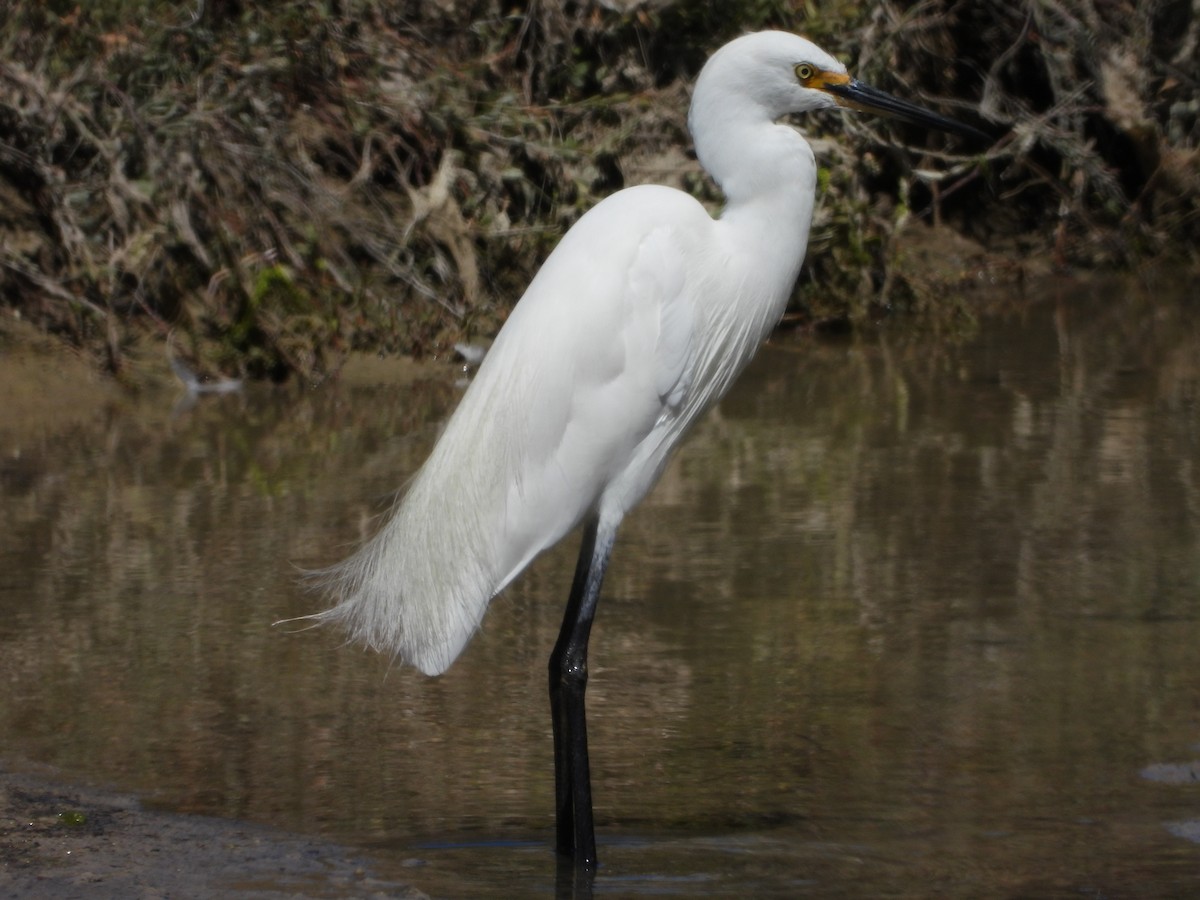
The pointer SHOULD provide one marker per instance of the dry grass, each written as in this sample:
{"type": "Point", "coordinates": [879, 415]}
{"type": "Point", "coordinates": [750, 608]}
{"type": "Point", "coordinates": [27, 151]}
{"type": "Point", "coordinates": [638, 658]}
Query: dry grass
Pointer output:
{"type": "Point", "coordinates": [272, 187]}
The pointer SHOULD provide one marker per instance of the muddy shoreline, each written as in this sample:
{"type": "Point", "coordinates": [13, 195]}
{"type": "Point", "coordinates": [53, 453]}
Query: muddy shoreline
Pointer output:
{"type": "Point", "coordinates": [61, 840]}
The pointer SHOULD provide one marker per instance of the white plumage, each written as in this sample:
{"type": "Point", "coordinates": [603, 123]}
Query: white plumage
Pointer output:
{"type": "Point", "coordinates": [640, 319]}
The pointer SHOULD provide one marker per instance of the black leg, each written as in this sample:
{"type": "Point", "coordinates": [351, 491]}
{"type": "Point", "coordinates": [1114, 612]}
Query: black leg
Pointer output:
{"type": "Point", "coordinates": [568, 681]}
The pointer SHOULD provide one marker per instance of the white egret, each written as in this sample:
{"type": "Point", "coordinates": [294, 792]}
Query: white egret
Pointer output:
{"type": "Point", "coordinates": [639, 320]}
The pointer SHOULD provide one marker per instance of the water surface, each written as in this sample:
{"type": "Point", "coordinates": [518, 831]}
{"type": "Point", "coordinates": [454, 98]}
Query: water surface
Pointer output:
{"type": "Point", "coordinates": [903, 617]}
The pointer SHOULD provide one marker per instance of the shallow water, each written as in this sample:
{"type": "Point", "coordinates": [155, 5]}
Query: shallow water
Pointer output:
{"type": "Point", "coordinates": [904, 617]}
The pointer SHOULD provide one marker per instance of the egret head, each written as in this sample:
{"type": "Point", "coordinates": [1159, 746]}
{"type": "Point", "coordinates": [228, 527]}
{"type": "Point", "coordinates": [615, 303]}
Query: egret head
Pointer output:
{"type": "Point", "coordinates": [778, 73]}
{"type": "Point", "coordinates": [758, 73]}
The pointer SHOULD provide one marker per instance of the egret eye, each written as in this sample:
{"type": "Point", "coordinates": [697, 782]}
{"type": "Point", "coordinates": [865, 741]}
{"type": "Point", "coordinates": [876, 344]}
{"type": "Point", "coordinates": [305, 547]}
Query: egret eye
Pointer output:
{"type": "Point", "coordinates": [805, 72]}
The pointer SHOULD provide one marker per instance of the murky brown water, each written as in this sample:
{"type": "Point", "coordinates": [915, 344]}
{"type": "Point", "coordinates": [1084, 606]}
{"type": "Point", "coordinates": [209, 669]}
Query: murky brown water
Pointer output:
{"type": "Point", "coordinates": [900, 620]}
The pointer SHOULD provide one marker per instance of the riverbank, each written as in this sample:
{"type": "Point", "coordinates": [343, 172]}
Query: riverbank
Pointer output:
{"type": "Point", "coordinates": [268, 189]}
{"type": "Point", "coordinates": [60, 840]}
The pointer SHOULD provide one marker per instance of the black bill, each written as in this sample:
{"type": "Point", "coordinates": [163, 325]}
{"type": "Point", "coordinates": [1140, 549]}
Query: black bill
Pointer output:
{"type": "Point", "coordinates": [856, 95]}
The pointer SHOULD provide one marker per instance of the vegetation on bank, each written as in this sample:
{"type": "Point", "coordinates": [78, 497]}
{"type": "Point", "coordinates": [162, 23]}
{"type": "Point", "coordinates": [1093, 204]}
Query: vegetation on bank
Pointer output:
{"type": "Point", "coordinates": [266, 186]}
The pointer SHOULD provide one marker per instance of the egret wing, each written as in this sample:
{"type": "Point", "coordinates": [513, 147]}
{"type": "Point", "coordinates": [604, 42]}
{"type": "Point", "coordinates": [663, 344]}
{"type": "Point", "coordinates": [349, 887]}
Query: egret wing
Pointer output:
{"type": "Point", "coordinates": [614, 350]}
{"type": "Point", "coordinates": [587, 368]}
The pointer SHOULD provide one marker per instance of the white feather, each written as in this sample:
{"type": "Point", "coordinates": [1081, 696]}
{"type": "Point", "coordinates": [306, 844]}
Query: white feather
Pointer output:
{"type": "Point", "coordinates": [640, 319]}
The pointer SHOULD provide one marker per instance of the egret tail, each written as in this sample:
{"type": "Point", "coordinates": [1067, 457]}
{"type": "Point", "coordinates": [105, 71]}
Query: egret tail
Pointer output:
{"type": "Point", "coordinates": [419, 588]}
